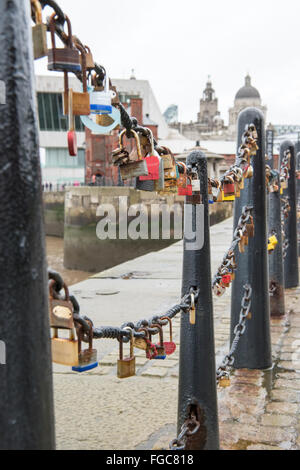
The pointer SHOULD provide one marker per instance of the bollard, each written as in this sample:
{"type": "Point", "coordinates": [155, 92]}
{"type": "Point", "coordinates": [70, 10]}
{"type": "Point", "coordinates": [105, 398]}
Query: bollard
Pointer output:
{"type": "Point", "coordinates": [254, 352]}
{"type": "Point", "coordinates": [197, 370]}
{"type": "Point", "coordinates": [290, 263]}
{"type": "Point", "coordinates": [276, 278]}
{"type": "Point", "coordinates": [298, 200]}
{"type": "Point", "coordinates": [26, 398]}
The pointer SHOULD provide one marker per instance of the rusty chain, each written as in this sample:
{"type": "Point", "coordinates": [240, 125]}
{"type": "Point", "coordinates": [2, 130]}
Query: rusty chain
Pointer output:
{"type": "Point", "coordinates": [224, 369]}
{"type": "Point", "coordinates": [111, 332]}
{"type": "Point", "coordinates": [228, 265]}
{"type": "Point", "coordinates": [189, 428]}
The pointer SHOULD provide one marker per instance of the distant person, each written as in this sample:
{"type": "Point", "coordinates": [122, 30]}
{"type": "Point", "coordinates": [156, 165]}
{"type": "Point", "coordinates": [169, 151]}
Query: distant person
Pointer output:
{"type": "Point", "coordinates": [50, 186]}
{"type": "Point", "coordinates": [46, 185]}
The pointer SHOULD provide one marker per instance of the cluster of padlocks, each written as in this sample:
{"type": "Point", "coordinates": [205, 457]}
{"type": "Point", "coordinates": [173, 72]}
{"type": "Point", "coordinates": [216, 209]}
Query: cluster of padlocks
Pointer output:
{"type": "Point", "coordinates": [70, 331]}
{"type": "Point", "coordinates": [95, 104]}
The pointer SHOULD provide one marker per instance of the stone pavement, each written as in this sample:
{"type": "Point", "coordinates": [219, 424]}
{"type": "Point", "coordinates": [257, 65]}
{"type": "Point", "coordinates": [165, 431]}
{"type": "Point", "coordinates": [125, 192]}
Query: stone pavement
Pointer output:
{"type": "Point", "coordinates": [96, 410]}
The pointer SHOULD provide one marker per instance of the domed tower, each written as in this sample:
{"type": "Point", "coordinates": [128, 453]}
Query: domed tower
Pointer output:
{"type": "Point", "coordinates": [247, 96]}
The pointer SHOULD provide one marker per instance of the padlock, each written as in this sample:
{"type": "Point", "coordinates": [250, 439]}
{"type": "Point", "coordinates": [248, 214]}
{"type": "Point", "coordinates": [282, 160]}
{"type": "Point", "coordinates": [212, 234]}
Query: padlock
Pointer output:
{"type": "Point", "coordinates": [161, 353]}
{"type": "Point", "coordinates": [241, 244]}
{"type": "Point", "coordinates": [229, 187]}
{"type": "Point", "coordinates": [126, 366]}
{"type": "Point", "coordinates": [193, 310]}
{"type": "Point", "coordinates": [224, 381]}
{"type": "Point", "coordinates": [152, 162]}
{"type": "Point", "coordinates": [80, 101]}
{"type": "Point", "coordinates": [245, 235]}
{"type": "Point", "coordinates": [248, 172]}
{"type": "Point", "coordinates": [219, 290]}
{"type": "Point", "coordinates": [184, 183]}
{"type": "Point", "coordinates": [227, 198]}
{"type": "Point", "coordinates": [64, 350]}
{"type": "Point", "coordinates": [250, 227]}
{"type": "Point", "coordinates": [132, 168]}
{"type": "Point", "coordinates": [159, 185]}
{"type": "Point", "coordinates": [66, 59]}
{"type": "Point", "coordinates": [272, 243]}
{"type": "Point", "coordinates": [87, 358]}
{"type": "Point", "coordinates": [151, 351]}
{"type": "Point", "coordinates": [195, 185]}
{"type": "Point", "coordinates": [169, 173]}
{"type": "Point", "coordinates": [101, 100]}
{"type": "Point", "coordinates": [226, 280]}
{"type": "Point", "coordinates": [60, 311]}
{"type": "Point", "coordinates": [72, 138]}
{"type": "Point", "coordinates": [39, 32]}
{"type": "Point", "coordinates": [90, 64]}
{"type": "Point", "coordinates": [170, 346]}
{"type": "Point", "coordinates": [144, 185]}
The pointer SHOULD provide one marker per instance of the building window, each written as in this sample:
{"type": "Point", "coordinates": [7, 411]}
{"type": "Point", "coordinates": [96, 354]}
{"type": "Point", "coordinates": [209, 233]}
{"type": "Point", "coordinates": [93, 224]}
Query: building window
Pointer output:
{"type": "Point", "coordinates": [60, 158]}
{"type": "Point", "coordinates": [51, 117]}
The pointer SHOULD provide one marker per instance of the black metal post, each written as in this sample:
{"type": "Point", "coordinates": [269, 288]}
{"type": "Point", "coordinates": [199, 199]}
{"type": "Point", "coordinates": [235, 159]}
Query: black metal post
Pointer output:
{"type": "Point", "coordinates": [298, 200]}
{"type": "Point", "coordinates": [276, 278]}
{"type": "Point", "coordinates": [290, 263]}
{"type": "Point", "coordinates": [197, 370]}
{"type": "Point", "coordinates": [26, 399]}
{"type": "Point", "coordinates": [254, 351]}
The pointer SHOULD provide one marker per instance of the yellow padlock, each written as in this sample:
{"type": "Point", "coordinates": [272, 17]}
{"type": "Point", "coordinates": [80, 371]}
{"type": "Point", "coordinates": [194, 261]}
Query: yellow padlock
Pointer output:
{"type": "Point", "coordinates": [227, 198]}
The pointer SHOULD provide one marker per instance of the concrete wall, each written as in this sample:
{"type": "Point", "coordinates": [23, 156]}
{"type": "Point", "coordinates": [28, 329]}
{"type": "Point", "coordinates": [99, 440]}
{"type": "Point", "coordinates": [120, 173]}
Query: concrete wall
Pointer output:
{"type": "Point", "coordinates": [83, 250]}
{"type": "Point", "coordinates": [54, 210]}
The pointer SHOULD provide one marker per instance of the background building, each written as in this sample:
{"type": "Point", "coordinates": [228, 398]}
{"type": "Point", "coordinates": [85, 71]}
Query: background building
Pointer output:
{"type": "Point", "coordinates": [245, 97]}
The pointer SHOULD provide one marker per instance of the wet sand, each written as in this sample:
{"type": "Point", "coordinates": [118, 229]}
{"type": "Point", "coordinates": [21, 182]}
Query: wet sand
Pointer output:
{"type": "Point", "coordinates": [55, 257]}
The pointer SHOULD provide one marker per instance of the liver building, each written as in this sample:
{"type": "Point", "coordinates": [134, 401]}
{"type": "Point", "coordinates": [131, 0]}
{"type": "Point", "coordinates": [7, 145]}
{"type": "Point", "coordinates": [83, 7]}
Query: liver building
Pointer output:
{"type": "Point", "coordinates": [209, 124]}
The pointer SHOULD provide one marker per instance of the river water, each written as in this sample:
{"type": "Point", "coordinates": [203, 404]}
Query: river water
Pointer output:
{"type": "Point", "coordinates": [55, 257]}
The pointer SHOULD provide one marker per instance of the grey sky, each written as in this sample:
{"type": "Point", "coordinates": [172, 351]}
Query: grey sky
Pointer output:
{"type": "Point", "coordinates": [177, 44]}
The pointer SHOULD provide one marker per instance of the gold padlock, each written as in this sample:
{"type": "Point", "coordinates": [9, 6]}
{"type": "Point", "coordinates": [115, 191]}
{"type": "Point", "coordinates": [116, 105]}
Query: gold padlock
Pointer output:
{"type": "Point", "coordinates": [224, 382]}
{"type": "Point", "coordinates": [126, 366]}
{"type": "Point", "coordinates": [39, 32]}
{"type": "Point", "coordinates": [65, 350]}
{"type": "Point", "coordinates": [193, 310]}
{"type": "Point", "coordinates": [80, 100]}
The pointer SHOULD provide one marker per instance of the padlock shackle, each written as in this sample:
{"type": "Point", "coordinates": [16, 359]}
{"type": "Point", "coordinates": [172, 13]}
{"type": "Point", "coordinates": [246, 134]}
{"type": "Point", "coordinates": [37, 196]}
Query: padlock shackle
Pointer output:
{"type": "Point", "coordinates": [151, 140]}
{"type": "Point", "coordinates": [121, 344]}
{"type": "Point", "coordinates": [161, 334]}
{"type": "Point", "coordinates": [170, 325]}
{"type": "Point", "coordinates": [38, 11]}
{"type": "Point", "coordinates": [82, 51]}
{"type": "Point", "coordinates": [137, 141]}
{"type": "Point", "coordinates": [52, 31]}
{"type": "Point", "coordinates": [51, 290]}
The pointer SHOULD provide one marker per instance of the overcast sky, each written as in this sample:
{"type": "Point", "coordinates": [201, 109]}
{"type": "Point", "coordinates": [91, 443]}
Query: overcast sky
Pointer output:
{"type": "Point", "coordinates": [177, 44]}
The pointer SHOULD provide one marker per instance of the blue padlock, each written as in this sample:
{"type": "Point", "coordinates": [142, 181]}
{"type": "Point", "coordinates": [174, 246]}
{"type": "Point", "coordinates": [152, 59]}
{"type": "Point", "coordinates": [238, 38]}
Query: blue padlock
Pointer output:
{"type": "Point", "coordinates": [97, 129]}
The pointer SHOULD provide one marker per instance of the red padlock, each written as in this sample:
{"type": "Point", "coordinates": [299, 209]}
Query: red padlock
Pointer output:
{"type": "Point", "coordinates": [153, 168]}
{"type": "Point", "coordinates": [184, 189]}
{"type": "Point", "coordinates": [72, 143]}
{"type": "Point", "coordinates": [226, 279]}
{"type": "Point", "coordinates": [228, 187]}
{"type": "Point", "coordinates": [72, 138]}
{"type": "Point", "coordinates": [170, 346]}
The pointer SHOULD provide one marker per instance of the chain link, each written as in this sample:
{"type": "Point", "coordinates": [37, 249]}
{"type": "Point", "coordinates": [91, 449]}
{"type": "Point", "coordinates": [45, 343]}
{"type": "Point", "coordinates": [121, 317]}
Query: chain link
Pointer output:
{"type": "Point", "coordinates": [223, 370]}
